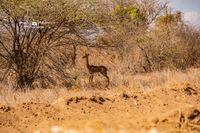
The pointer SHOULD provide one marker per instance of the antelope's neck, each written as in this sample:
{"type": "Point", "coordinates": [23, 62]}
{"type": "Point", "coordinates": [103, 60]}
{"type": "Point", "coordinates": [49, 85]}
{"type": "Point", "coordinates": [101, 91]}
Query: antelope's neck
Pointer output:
{"type": "Point", "coordinates": [87, 61]}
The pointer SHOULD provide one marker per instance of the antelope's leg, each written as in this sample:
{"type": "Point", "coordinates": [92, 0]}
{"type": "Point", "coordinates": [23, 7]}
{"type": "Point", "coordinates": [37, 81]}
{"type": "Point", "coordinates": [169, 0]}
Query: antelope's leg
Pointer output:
{"type": "Point", "coordinates": [108, 80]}
{"type": "Point", "coordinates": [91, 78]}
{"type": "Point", "coordinates": [105, 74]}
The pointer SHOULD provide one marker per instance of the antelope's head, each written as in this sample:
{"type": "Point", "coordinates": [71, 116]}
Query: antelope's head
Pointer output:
{"type": "Point", "coordinates": [86, 56]}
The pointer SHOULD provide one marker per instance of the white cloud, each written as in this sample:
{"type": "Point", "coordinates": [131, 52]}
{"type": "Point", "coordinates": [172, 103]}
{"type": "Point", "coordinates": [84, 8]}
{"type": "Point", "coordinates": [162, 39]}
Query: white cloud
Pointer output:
{"type": "Point", "coordinates": [192, 17]}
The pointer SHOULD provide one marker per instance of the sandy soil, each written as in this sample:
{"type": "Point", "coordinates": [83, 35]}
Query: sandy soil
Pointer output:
{"type": "Point", "coordinates": [108, 111]}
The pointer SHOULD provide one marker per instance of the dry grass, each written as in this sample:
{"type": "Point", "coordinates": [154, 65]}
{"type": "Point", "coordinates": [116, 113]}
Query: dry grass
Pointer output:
{"type": "Point", "coordinates": [126, 83]}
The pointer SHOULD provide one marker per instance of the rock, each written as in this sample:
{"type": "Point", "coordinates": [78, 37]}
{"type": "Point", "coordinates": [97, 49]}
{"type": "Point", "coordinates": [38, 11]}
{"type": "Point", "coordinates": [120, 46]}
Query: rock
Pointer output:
{"type": "Point", "coordinates": [102, 99]}
{"type": "Point", "coordinates": [194, 114]}
{"type": "Point", "coordinates": [190, 91]}
{"type": "Point", "coordinates": [125, 96]}
{"type": "Point", "coordinates": [155, 121]}
{"type": "Point", "coordinates": [93, 99]}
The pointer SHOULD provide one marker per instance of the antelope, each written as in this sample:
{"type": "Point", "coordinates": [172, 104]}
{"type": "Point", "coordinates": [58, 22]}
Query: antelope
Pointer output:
{"type": "Point", "coordinates": [96, 69]}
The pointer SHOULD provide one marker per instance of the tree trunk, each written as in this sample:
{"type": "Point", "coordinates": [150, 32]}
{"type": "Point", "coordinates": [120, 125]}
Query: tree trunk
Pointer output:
{"type": "Point", "coordinates": [24, 81]}
{"type": "Point", "coordinates": [74, 55]}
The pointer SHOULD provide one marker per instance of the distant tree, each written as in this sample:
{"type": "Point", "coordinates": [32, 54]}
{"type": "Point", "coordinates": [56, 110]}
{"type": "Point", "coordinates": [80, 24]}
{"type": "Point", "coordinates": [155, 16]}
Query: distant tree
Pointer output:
{"type": "Point", "coordinates": [128, 13]}
{"type": "Point", "coordinates": [169, 20]}
{"type": "Point", "coordinates": [130, 20]}
{"type": "Point", "coordinates": [170, 43]}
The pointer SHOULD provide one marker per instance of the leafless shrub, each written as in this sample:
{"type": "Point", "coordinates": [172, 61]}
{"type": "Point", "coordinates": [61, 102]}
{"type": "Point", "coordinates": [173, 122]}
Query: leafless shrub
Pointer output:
{"type": "Point", "coordinates": [33, 35]}
{"type": "Point", "coordinates": [177, 49]}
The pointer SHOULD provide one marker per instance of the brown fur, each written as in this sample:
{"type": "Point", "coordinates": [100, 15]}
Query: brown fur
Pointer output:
{"type": "Point", "coordinates": [95, 69]}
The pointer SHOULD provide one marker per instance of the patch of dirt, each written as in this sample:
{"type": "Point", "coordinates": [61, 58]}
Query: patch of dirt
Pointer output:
{"type": "Point", "coordinates": [169, 110]}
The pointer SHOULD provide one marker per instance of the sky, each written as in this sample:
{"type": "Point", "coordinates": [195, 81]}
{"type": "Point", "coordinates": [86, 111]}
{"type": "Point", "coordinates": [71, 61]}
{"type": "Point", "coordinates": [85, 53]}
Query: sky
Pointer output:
{"type": "Point", "coordinates": [190, 8]}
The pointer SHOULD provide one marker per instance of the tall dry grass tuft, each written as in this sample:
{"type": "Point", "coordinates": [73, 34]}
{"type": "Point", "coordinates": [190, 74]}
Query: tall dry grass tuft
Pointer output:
{"type": "Point", "coordinates": [168, 79]}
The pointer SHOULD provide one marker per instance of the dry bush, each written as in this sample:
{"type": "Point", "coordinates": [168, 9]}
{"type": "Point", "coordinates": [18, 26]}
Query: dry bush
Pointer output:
{"type": "Point", "coordinates": [131, 21]}
{"type": "Point", "coordinates": [35, 37]}
{"type": "Point", "coordinates": [169, 44]}
{"type": "Point", "coordinates": [177, 49]}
